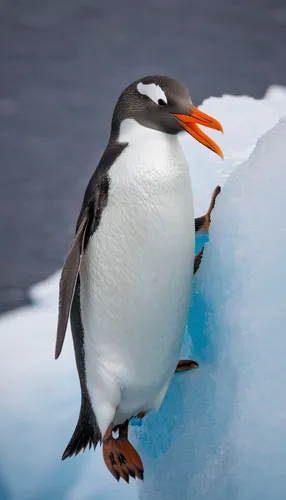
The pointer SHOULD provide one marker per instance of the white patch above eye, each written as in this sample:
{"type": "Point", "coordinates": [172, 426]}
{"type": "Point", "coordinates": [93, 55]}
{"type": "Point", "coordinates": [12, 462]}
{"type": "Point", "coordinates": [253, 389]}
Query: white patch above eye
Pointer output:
{"type": "Point", "coordinates": [152, 91]}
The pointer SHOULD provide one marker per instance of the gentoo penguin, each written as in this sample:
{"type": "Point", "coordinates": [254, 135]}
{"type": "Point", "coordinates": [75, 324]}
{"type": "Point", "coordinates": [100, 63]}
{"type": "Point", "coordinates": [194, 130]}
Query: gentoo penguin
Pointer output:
{"type": "Point", "coordinates": [126, 282]}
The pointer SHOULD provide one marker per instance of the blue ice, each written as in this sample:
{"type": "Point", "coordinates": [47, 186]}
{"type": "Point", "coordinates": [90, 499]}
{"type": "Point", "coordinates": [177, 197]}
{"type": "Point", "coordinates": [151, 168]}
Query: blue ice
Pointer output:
{"type": "Point", "coordinates": [221, 431]}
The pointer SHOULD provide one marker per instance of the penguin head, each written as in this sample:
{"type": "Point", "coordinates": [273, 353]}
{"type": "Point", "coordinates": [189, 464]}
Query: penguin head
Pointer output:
{"type": "Point", "coordinates": [164, 104]}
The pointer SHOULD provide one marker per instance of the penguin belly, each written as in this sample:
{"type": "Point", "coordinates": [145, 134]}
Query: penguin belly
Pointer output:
{"type": "Point", "coordinates": [136, 278]}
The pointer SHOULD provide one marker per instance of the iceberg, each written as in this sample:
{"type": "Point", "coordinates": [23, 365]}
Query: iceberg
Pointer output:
{"type": "Point", "coordinates": [220, 433]}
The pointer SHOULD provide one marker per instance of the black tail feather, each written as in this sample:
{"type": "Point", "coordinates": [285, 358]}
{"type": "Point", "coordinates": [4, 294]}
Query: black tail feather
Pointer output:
{"type": "Point", "coordinates": [86, 433]}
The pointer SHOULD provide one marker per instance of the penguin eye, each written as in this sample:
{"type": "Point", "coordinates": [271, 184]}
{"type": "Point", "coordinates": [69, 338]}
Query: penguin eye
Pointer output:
{"type": "Point", "coordinates": [161, 102]}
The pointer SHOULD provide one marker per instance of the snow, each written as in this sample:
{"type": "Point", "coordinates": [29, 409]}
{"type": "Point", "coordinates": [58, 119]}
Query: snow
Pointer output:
{"type": "Point", "coordinates": [221, 431]}
{"type": "Point", "coordinates": [39, 405]}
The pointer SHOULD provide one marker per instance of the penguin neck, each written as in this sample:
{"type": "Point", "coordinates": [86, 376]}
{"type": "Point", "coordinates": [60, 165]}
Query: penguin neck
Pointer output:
{"type": "Point", "coordinates": [132, 133]}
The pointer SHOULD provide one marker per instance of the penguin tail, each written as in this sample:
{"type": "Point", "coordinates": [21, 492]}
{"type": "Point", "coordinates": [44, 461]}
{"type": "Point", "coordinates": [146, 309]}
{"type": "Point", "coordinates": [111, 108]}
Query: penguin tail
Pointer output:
{"type": "Point", "coordinates": [86, 433]}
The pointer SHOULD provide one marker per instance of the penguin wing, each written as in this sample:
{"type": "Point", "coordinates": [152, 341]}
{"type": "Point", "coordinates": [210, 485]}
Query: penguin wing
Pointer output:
{"type": "Point", "coordinates": [69, 279]}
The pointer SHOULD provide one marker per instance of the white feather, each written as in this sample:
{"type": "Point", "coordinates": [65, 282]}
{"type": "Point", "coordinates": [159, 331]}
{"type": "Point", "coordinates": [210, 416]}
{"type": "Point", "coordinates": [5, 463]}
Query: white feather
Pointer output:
{"type": "Point", "coordinates": [136, 277]}
{"type": "Point", "coordinates": [152, 91]}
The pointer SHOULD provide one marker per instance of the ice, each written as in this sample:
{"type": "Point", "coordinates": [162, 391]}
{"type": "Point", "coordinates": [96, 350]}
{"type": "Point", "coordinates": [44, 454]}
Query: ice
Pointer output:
{"type": "Point", "coordinates": [39, 406]}
{"type": "Point", "coordinates": [220, 433]}
{"type": "Point", "coordinates": [244, 120]}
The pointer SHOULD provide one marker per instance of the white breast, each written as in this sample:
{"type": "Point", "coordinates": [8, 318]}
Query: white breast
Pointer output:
{"type": "Point", "coordinates": [136, 277]}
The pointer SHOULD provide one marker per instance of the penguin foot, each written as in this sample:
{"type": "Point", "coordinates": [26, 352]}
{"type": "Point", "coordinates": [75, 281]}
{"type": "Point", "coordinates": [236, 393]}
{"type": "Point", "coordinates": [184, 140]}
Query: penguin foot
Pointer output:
{"type": "Point", "coordinates": [142, 414]}
{"type": "Point", "coordinates": [216, 192]}
{"type": "Point", "coordinates": [121, 458]}
{"type": "Point", "coordinates": [198, 260]}
{"type": "Point", "coordinates": [186, 364]}
{"type": "Point", "coordinates": [202, 224]}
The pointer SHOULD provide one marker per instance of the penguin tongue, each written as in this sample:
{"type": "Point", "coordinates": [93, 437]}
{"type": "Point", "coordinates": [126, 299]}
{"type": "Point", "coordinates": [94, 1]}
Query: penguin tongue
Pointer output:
{"type": "Point", "coordinates": [190, 124]}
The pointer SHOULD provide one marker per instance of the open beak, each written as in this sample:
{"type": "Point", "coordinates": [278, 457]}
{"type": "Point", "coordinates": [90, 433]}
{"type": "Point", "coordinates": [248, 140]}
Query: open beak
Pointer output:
{"type": "Point", "coordinates": [190, 123]}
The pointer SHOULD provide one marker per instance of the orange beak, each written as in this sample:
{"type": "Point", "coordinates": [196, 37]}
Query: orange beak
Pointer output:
{"type": "Point", "coordinates": [189, 123]}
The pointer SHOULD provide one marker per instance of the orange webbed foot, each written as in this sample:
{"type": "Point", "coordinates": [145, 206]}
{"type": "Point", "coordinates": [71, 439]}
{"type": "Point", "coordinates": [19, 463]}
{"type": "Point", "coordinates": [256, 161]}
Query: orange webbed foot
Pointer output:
{"type": "Point", "coordinates": [185, 365]}
{"type": "Point", "coordinates": [121, 458]}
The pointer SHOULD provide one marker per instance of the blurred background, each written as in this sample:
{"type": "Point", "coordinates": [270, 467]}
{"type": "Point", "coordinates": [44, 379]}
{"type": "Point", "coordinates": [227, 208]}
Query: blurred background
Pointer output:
{"type": "Point", "coordinates": [63, 65]}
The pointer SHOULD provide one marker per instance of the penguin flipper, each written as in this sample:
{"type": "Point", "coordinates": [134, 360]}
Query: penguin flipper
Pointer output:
{"type": "Point", "coordinates": [68, 280]}
{"type": "Point", "coordinates": [202, 223]}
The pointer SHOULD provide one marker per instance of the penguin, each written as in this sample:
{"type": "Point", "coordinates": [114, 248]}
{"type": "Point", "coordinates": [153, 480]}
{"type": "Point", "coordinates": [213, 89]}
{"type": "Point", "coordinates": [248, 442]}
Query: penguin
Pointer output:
{"type": "Point", "coordinates": [126, 282]}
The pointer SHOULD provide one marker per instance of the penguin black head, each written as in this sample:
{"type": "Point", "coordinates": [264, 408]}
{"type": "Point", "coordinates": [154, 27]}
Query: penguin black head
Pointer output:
{"type": "Point", "coordinates": [164, 104]}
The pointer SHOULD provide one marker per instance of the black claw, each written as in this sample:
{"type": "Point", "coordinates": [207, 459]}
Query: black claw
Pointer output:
{"type": "Point", "coordinates": [194, 363]}
{"type": "Point", "coordinates": [140, 473]}
{"type": "Point", "coordinates": [121, 458]}
{"type": "Point", "coordinates": [116, 474]}
{"type": "Point", "coordinates": [125, 476]}
{"type": "Point", "coordinates": [112, 459]}
{"type": "Point", "coordinates": [131, 473]}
